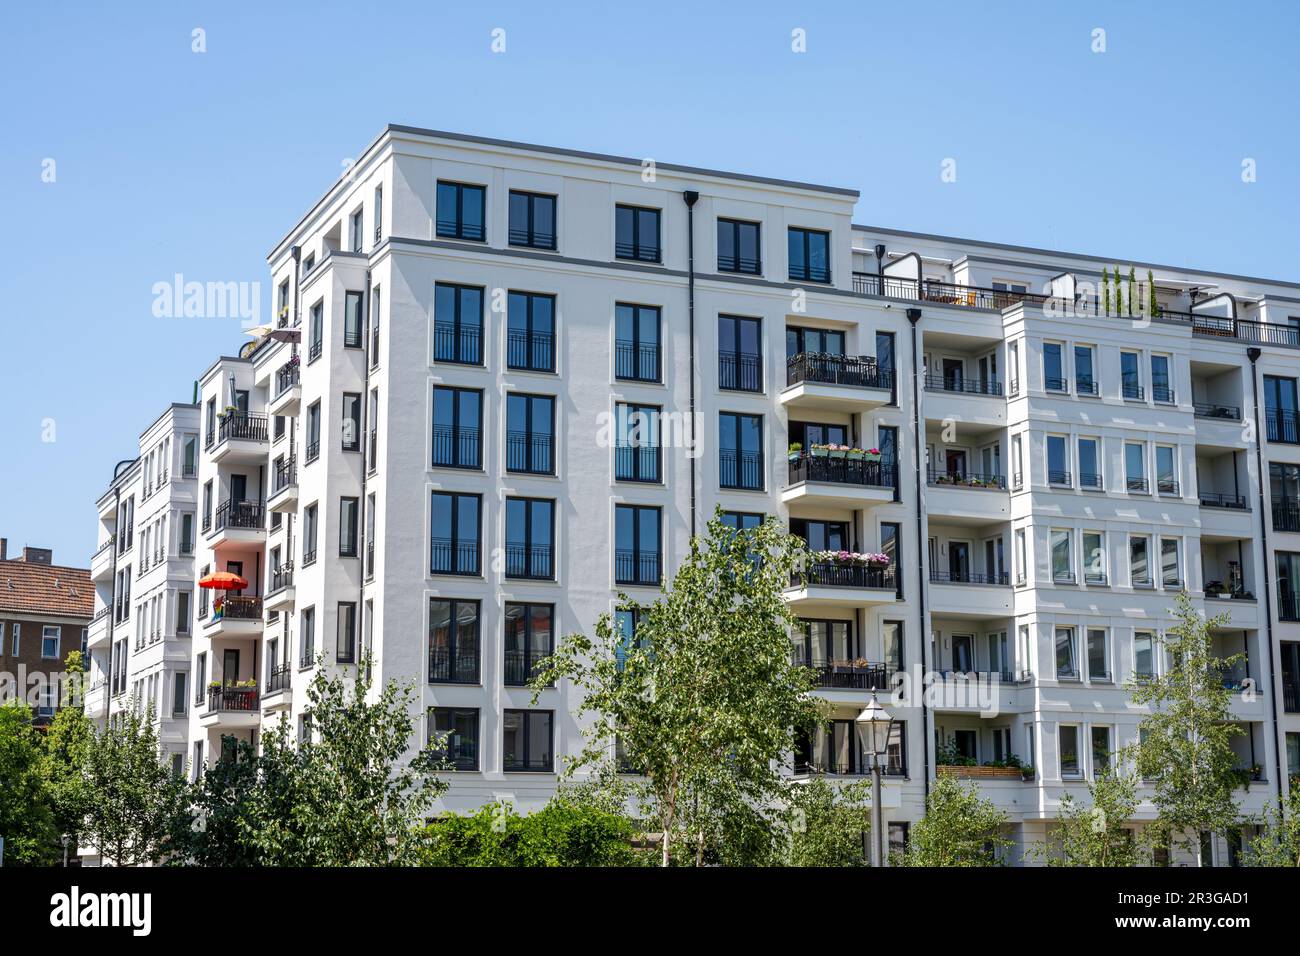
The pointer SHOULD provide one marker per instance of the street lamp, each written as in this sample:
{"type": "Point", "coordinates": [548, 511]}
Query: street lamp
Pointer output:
{"type": "Point", "coordinates": [875, 724]}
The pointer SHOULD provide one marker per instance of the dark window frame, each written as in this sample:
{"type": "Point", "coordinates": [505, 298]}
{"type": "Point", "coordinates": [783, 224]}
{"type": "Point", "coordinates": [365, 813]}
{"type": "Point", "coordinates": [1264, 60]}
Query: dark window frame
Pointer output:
{"type": "Point", "coordinates": [527, 730]}
{"type": "Point", "coordinates": [636, 549]}
{"type": "Point", "coordinates": [529, 435]}
{"type": "Point", "coordinates": [739, 371]}
{"type": "Point", "coordinates": [634, 248]}
{"type": "Point", "coordinates": [528, 544]}
{"type": "Point", "coordinates": [458, 432]}
{"type": "Point", "coordinates": [625, 454]}
{"type": "Point", "coordinates": [759, 470]}
{"type": "Point", "coordinates": [354, 533]}
{"type": "Point", "coordinates": [736, 263]}
{"type": "Point", "coordinates": [529, 232]}
{"type": "Point", "coordinates": [528, 664]}
{"type": "Point", "coordinates": [456, 228]}
{"type": "Point", "coordinates": [353, 339]}
{"type": "Point", "coordinates": [457, 763]}
{"type": "Point", "coordinates": [455, 539]}
{"type": "Point", "coordinates": [803, 272]}
{"type": "Point", "coordinates": [529, 334]}
{"type": "Point", "coordinates": [454, 673]}
{"type": "Point", "coordinates": [458, 327]}
{"type": "Point", "coordinates": [635, 347]}
{"type": "Point", "coordinates": [346, 655]}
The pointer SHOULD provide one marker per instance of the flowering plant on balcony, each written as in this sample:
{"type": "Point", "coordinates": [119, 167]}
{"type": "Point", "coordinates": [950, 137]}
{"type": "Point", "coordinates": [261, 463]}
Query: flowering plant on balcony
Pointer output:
{"type": "Point", "coordinates": [794, 450]}
{"type": "Point", "coordinates": [820, 450]}
{"type": "Point", "coordinates": [852, 558]}
{"type": "Point", "coordinates": [838, 451]}
{"type": "Point", "coordinates": [294, 360]}
{"type": "Point", "coordinates": [877, 559]}
{"type": "Point", "coordinates": [872, 454]}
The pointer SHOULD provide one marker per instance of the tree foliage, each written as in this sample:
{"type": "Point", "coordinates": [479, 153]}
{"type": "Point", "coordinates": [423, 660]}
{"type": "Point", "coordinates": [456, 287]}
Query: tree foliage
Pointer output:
{"type": "Point", "coordinates": [959, 828]}
{"type": "Point", "coordinates": [26, 820]}
{"type": "Point", "coordinates": [1279, 842]}
{"type": "Point", "coordinates": [828, 824]}
{"type": "Point", "coordinates": [1095, 835]}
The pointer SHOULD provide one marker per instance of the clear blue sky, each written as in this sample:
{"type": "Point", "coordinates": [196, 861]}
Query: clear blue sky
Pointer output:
{"type": "Point", "coordinates": [170, 161]}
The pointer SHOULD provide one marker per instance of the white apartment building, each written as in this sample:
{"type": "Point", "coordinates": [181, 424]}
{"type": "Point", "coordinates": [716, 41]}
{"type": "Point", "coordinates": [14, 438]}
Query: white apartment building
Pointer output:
{"type": "Point", "coordinates": [143, 573]}
{"type": "Point", "coordinates": [428, 459]}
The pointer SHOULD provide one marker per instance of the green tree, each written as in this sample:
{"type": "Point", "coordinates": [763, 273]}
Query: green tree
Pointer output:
{"type": "Point", "coordinates": [1132, 291]}
{"type": "Point", "coordinates": [224, 827]}
{"type": "Point", "coordinates": [1184, 741]}
{"type": "Point", "coordinates": [959, 828]}
{"type": "Point", "coordinates": [1118, 283]}
{"type": "Point", "coordinates": [26, 817]}
{"type": "Point", "coordinates": [828, 823]}
{"type": "Point", "coordinates": [1153, 306]}
{"type": "Point", "coordinates": [1095, 835]}
{"type": "Point", "coordinates": [1279, 844]}
{"type": "Point", "coordinates": [66, 741]}
{"type": "Point", "coordinates": [1103, 293]}
{"type": "Point", "coordinates": [705, 701]}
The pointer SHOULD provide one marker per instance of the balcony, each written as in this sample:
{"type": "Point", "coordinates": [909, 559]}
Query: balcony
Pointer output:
{"type": "Point", "coordinates": [977, 403]}
{"type": "Point", "coordinates": [231, 707]}
{"type": "Point", "coordinates": [966, 479]}
{"type": "Point", "coordinates": [1286, 516]}
{"type": "Point", "coordinates": [966, 497]}
{"type": "Point", "coordinates": [843, 584]}
{"type": "Point", "coordinates": [968, 595]}
{"type": "Point", "coordinates": [825, 480]}
{"type": "Point", "coordinates": [286, 390]}
{"type": "Point", "coordinates": [943, 293]}
{"type": "Point", "coordinates": [740, 371]}
{"type": "Point", "coordinates": [637, 568]}
{"type": "Point", "coordinates": [530, 351]}
{"type": "Point", "coordinates": [848, 383]}
{"type": "Point", "coordinates": [1282, 426]}
{"type": "Point", "coordinates": [241, 438]}
{"type": "Point", "coordinates": [1224, 413]}
{"type": "Point", "coordinates": [279, 689]}
{"type": "Point", "coordinates": [95, 700]}
{"type": "Point", "coordinates": [530, 562]}
{"type": "Point", "coordinates": [961, 385]}
{"type": "Point", "coordinates": [99, 631]}
{"type": "Point", "coordinates": [234, 615]}
{"type": "Point", "coordinates": [238, 522]}
{"type": "Point", "coordinates": [1219, 499]}
{"type": "Point", "coordinates": [852, 675]}
{"type": "Point", "coordinates": [101, 562]}
{"type": "Point", "coordinates": [284, 487]}
{"type": "Point", "coordinates": [280, 595]}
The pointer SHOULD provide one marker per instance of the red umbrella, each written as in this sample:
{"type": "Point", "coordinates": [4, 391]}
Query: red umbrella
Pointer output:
{"type": "Point", "coordinates": [223, 581]}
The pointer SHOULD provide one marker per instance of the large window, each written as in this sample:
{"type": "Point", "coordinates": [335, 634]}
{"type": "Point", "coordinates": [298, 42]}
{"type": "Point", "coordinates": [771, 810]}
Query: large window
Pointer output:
{"type": "Point", "coordinates": [1139, 561]}
{"type": "Point", "coordinates": [1058, 461]}
{"type": "Point", "coordinates": [821, 535]}
{"type": "Point", "coordinates": [742, 520]}
{"type": "Point", "coordinates": [458, 324]}
{"type": "Point", "coordinates": [810, 258]}
{"type": "Point", "coordinates": [1288, 585]}
{"type": "Point", "coordinates": [532, 220]}
{"type": "Point", "coordinates": [1069, 740]}
{"type": "Point", "coordinates": [740, 450]}
{"type": "Point", "coordinates": [1100, 750]}
{"type": "Point", "coordinates": [1094, 558]}
{"type": "Point", "coordinates": [636, 343]}
{"type": "Point", "coordinates": [1067, 660]}
{"type": "Point", "coordinates": [351, 421]}
{"type": "Point", "coordinates": [740, 353]}
{"type": "Point", "coordinates": [1144, 656]}
{"type": "Point", "coordinates": [1085, 374]}
{"type": "Point", "coordinates": [530, 538]}
{"type": "Point", "coordinates": [1171, 572]}
{"type": "Point", "coordinates": [461, 213]}
{"type": "Point", "coordinates": [1162, 386]}
{"type": "Point", "coordinates": [823, 341]}
{"type": "Point", "coordinates": [530, 335]}
{"type": "Point", "coordinates": [309, 530]}
{"type": "Point", "coordinates": [1135, 466]}
{"type": "Point", "coordinates": [1054, 379]}
{"type": "Point", "coordinates": [738, 247]}
{"type": "Point", "coordinates": [457, 427]}
{"type": "Point", "coordinates": [1281, 421]}
{"type": "Point", "coordinates": [352, 331]}
{"type": "Point", "coordinates": [348, 509]}
{"type": "Point", "coordinates": [1089, 464]}
{"type": "Point", "coordinates": [1062, 541]}
{"type": "Point", "coordinates": [530, 639]}
{"type": "Point", "coordinates": [1130, 376]}
{"type": "Point", "coordinates": [316, 332]}
{"type": "Point", "coordinates": [453, 641]}
{"type": "Point", "coordinates": [636, 233]}
{"type": "Point", "coordinates": [458, 729]}
{"type": "Point", "coordinates": [345, 646]}
{"type": "Point", "coordinates": [527, 740]}
{"type": "Point", "coordinates": [530, 434]}
{"type": "Point", "coordinates": [307, 643]}
{"type": "Point", "coordinates": [454, 533]}
{"type": "Point", "coordinates": [637, 545]}
{"type": "Point", "coordinates": [637, 450]}
{"type": "Point", "coordinates": [1098, 659]}
{"type": "Point", "coordinates": [1166, 470]}
{"type": "Point", "coordinates": [313, 431]}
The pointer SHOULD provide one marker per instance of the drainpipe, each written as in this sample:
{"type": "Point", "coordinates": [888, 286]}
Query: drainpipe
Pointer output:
{"type": "Point", "coordinates": [914, 317]}
{"type": "Point", "coordinates": [296, 252]}
{"type": "Point", "coordinates": [362, 540]}
{"type": "Point", "coordinates": [1253, 354]}
{"type": "Point", "coordinates": [691, 197]}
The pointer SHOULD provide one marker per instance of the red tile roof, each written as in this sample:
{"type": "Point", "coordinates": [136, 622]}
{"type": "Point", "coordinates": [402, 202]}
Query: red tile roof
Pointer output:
{"type": "Point", "coordinates": [27, 588]}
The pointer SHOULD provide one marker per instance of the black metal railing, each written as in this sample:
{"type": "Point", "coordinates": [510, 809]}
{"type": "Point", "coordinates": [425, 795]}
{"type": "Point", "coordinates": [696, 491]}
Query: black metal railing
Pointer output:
{"type": "Point", "coordinates": [1230, 413]}
{"type": "Point", "coordinates": [286, 378]}
{"type": "Point", "coordinates": [1086, 386]}
{"type": "Point", "coordinates": [243, 427]}
{"type": "Point", "coordinates": [1088, 479]}
{"type": "Point", "coordinates": [636, 361]}
{"type": "Point", "coordinates": [1167, 486]}
{"type": "Point", "coordinates": [1286, 516]}
{"type": "Point", "coordinates": [965, 479]}
{"type": "Point", "coordinates": [891, 287]}
{"type": "Point", "coordinates": [1282, 426]}
{"type": "Point", "coordinates": [636, 462]}
{"type": "Point", "coordinates": [247, 515]}
{"type": "Point", "coordinates": [963, 385]}
{"type": "Point", "coordinates": [314, 351]}
{"type": "Point", "coordinates": [457, 446]}
{"type": "Point", "coordinates": [280, 678]}
{"type": "Point", "coordinates": [531, 238]}
{"type": "Point", "coordinates": [453, 665]}
{"type": "Point", "coordinates": [536, 561]}
{"type": "Point", "coordinates": [231, 699]}
{"type": "Point", "coordinates": [1162, 393]}
{"type": "Point", "coordinates": [530, 452]}
{"type": "Point", "coordinates": [1052, 384]}
{"type": "Point", "coordinates": [1291, 696]}
{"type": "Point", "coordinates": [967, 577]}
{"type": "Point", "coordinates": [848, 768]}
{"type": "Point", "coordinates": [281, 578]}
{"type": "Point", "coordinates": [370, 558]}
{"type": "Point", "coordinates": [313, 450]}
{"type": "Point", "coordinates": [534, 351]}
{"type": "Point", "coordinates": [637, 251]}
{"type": "Point", "coordinates": [519, 668]}
{"type": "Point", "coordinates": [843, 471]}
{"type": "Point", "coordinates": [241, 607]}
{"type": "Point", "coordinates": [286, 474]}
{"type": "Point", "coordinates": [1138, 485]}
{"type": "Point", "coordinates": [851, 676]}
{"type": "Point", "coordinates": [740, 371]}
{"type": "Point", "coordinates": [637, 567]}
{"type": "Point", "coordinates": [1288, 604]}
{"type": "Point", "coordinates": [453, 557]}
{"type": "Point", "coordinates": [857, 371]}
{"type": "Point", "coordinates": [463, 345]}
{"type": "Point", "coordinates": [1133, 391]}
{"type": "Point", "coordinates": [1058, 477]}
{"type": "Point", "coordinates": [835, 575]}
{"type": "Point", "coordinates": [740, 469]}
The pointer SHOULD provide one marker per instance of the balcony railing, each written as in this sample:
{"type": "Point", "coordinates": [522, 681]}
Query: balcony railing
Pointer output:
{"type": "Point", "coordinates": [286, 378]}
{"type": "Point", "coordinates": [534, 351]}
{"type": "Point", "coordinates": [1230, 413]}
{"type": "Point", "coordinates": [1091, 480]}
{"type": "Point", "coordinates": [242, 427]}
{"type": "Point", "coordinates": [846, 675]}
{"type": "Point", "coordinates": [967, 577]}
{"type": "Point", "coordinates": [286, 474]}
{"type": "Point", "coordinates": [1167, 486]}
{"type": "Point", "coordinates": [740, 371]}
{"type": "Point", "coordinates": [1288, 604]}
{"type": "Point", "coordinates": [965, 479]}
{"type": "Point", "coordinates": [740, 469]}
{"type": "Point", "coordinates": [835, 575]}
{"type": "Point", "coordinates": [280, 678]}
{"type": "Point", "coordinates": [963, 385]}
{"type": "Point", "coordinates": [1291, 696]}
{"type": "Point", "coordinates": [452, 344]}
{"type": "Point", "coordinates": [530, 453]}
{"type": "Point", "coordinates": [855, 371]}
{"type": "Point", "coordinates": [1220, 499]}
{"type": "Point", "coordinates": [843, 471]}
{"type": "Point", "coordinates": [281, 578]}
{"type": "Point", "coordinates": [1286, 516]}
{"type": "Point", "coordinates": [519, 670]}
{"type": "Point", "coordinates": [453, 557]}
{"type": "Point", "coordinates": [1136, 485]}
{"type": "Point", "coordinates": [1052, 384]}
{"type": "Point", "coordinates": [530, 561]}
{"type": "Point", "coordinates": [1282, 426]}
{"type": "Point", "coordinates": [1062, 478]}
{"type": "Point", "coordinates": [239, 607]}
{"type": "Point", "coordinates": [637, 567]}
{"type": "Point", "coordinates": [457, 446]}
{"type": "Point", "coordinates": [232, 700]}
{"type": "Point", "coordinates": [1133, 391]}
{"type": "Point", "coordinates": [636, 361]}
{"type": "Point", "coordinates": [1162, 393]}
{"type": "Point", "coordinates": [370, 558]}
{"type": "Point", "coordinates": [1086, 386]}
{"type": "Point", "coordinates": [848, 768]}
{"type": "Point", "coordinates": [636, 462]}
{"type": "Point", "coordinates": [240, 514]}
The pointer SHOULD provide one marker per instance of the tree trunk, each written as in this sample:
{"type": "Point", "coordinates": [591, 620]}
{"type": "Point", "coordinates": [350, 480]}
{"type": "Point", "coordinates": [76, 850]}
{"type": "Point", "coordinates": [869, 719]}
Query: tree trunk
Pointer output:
{"type": "Point", "coordinates": [664, 847]}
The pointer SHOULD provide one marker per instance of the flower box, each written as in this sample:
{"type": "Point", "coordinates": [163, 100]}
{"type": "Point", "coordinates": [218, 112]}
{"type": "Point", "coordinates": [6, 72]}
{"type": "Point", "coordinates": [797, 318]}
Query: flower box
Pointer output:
{"type": "Point", "coordinates": [981, 773]}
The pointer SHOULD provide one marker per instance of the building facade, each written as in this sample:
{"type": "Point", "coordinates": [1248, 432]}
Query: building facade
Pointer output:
{"type": "Point", "coordinates": [437, 456]}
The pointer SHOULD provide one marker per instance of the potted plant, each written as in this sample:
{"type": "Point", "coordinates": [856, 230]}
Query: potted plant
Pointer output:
{"type": "Point", "coordinates": [856, 454]}
{"type": "Point", "coordinates": [820, 451]}
{"type": "Point", "coordinates": [877, 559]}
{"type": "Point", "coordinates": [1026, 772]}
{"type": "Point", "coordinates": [872, 454]}
{"type": "Point", "coordinates": [838, 451]}
{"type": "Point", "coordinates": [794, 450]}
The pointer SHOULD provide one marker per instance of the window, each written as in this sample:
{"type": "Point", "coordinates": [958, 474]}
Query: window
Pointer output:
{"type": "Point", "coordinates": [1135, 467]}
{"type": "Point", "coordinates": [1089, 464]}
{"type": "Point", "coordinates": [1166, 470]}
{"type": "Point", "coordinates": [345, 646]}
{"type": "Point", "coordinates": [742, 520]}
{"type": "Point", "coordinates": [738, 247]}
{"type": "Point", "coordinates": [461, 213]}
{"type": "Point", "coordinates": [309, 525]}
{"type": "Point", "coordinates": [1139, 564]}
{"type": "Point", "coordinates": [374, 327]}
{"type": "Point", "coordinates": [459, 727]}
{"type": "Point", "coordinates": [636, 545]}
{"type": "Point", "coordinates": [1069, 738]}
{"type": "Point", "coordinates": [51, 637]}
{"type": "Point", "coordinates": [1162, 388]}
{"type": "Point", "coordinates": [187, 533]}
{"type": "Point", "coordinates": [190, 456]}
{"type": "Point", "coordinates": [809, 252]}
{"type": "Point", "coordinates": [207, 505]}
{"type": "Point", "coordinates": [1094, 558]}
{"type": "Point", "coordinates": [183, 599]}
{"type": "Point", "coordinates": [636, 444]}
{"type": "Point", "coordinates": [1054, 379]}
{"type": "Point", "coordinates": [821, 535]}
{"type": "Point", "coordinates": [1171, 575]}
{"type": "Point", "coordinates": [458, 324]}
{"type": "Point", "coordinates": [454, 533]}
{"type": "Point", "coordinates": [1022, 557]}
{"type": "Point", "coordinates": [1067, 666]}
{"type": "Point", "coordinates": [355, 230]}
{"type": "Point", "coordinates": [307, 645]}
{"type": "Point", "coordinates": [740, 451]}
{"type": "Point", "coordinates": [1085, 374]}
{"type": "Point", "coordinates": [529, 640]}
{"type": "Point", "coordinates": [1144, 658]}
{"type": "Point", "coordinates": [1288, 585]}
{"type": "Point", "coordinates": [885, 353]}
{"type": "Point", "coordinates": [1281, 422]}
{"type": "Point", "coordinates": [1098, 668]}
{"type": "Point", "coordinates": [530, 434]}
{"type": "Point", "coordinates": [454, 644]}
{"type": "Point", "coordinates": [636, 343]}
{"type": "Point", "coordinates": [351, 421]}
{"type": "Point", "coordinates": [891, 642]}
{"type": "Point", "coordinates": [379, 212]}
{"type": "Point", "coordinates": [1058, 461]}
{"type": "Point", "coordinates": [636, 233]}
{"type": "Point", "coordinates": [352, 331]}
{"type": "Point", "coordinates": [530, 538]}
{"type": "Point", "coordinates": [527, 740]}
{"type": "Point", "coordinates": [1130, 376]}
{"type": "Point", "coordinates": [180, 700]}
{"type": "Point", "coordinates": [1062, 548]}
{"type": "Point", "coordinates": [316, 332]}
{"type": "Point", "coordinates": [457, 427]}
{"type": "Point", "coordinates": [532, 220]}
{"type": "Point", "coordinates": [740, 353]}
{"type": "Point", "coordinates": [825, 341]}
{"type": "Point", "coordinates": [530, 334]}
{"type": "Point", "coordinates": [348, 512]}
{"type": "Point", "coordinates": [1100, 750]}
{"type": "Point", "coordinates": [313, 431]}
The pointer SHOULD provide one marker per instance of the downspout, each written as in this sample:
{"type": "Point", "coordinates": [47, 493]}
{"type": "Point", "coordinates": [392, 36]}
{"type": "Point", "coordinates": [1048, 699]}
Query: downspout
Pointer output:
{"type": "Point", "coordinates": [691, 197]}
{"type": "Point", "coordinates": [296, 252]}
{"type": "Point", "coordinates": [914, 317]}
{"type": "Point", "coordinates": [362, 540]}
{"type": "Point", "coordinates": [1253, 354]}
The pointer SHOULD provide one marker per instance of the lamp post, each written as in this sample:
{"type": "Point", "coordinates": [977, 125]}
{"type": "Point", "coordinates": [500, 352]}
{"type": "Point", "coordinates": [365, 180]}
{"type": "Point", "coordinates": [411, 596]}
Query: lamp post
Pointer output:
{"type": "Point", "coordinates": [875, 724]}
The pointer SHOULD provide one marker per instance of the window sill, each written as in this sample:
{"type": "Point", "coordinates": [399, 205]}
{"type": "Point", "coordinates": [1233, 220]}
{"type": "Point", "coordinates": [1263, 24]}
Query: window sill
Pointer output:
{"type": "Point", "coordinates": [1069, 679]}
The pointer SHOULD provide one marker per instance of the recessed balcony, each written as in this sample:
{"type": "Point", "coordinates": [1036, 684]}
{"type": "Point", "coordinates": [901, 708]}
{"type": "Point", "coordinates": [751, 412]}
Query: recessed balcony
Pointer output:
{"type": "Point", "coordinates": [286, 390]}
{"type": "Point", "coordinates": [848, 583]}
{"type": "Point", "coordinates": [284, 487]}
{"type": "Point", "coordinates": [844, 383]}
{"type": "Point", "coordinates": [234, 615]}
{"type": "Point", "coordinates": [241, 439]}
{"type": "Point", "coordinates": [231, 707]}
{"type": "Point", "coordinates": [280, 595]}
{"type": "Point", "coordinates": [835, 478]}
{"type": "Point", "coordinates": [966, 497]}
{"type": "Point", "coordinates": [278, 695]}
{"type": "Point", "coordinates": [238, 522]}
{"type": "Point", "coordinates": [968, 595]}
